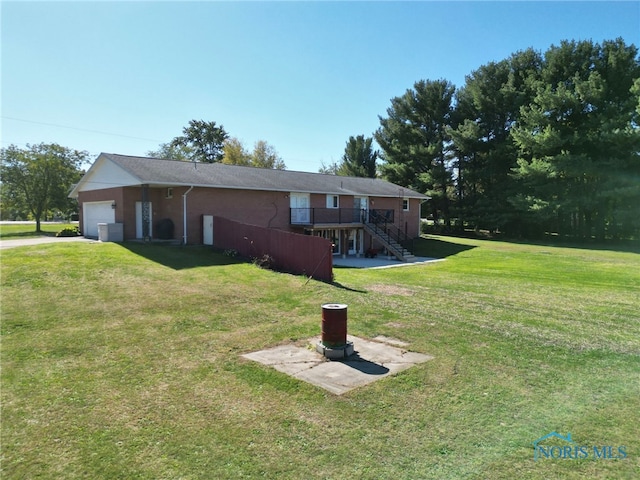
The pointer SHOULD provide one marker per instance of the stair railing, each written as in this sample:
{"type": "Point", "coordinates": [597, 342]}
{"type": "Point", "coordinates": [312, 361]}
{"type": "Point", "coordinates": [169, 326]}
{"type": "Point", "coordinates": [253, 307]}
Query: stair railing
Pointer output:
{"type": "Point", "coordinates": [384, 226]}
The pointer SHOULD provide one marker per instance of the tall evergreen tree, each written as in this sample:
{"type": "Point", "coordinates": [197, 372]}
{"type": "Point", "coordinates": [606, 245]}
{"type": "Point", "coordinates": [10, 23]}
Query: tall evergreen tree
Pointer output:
{"type": "Point", "coordinates": [486, 109]}
{"type": "Point", "coordinates": [579, 142]}
{"type": "Point", "coordinates": [415, 140]}
{"type": "Point", "coordinates": [359, 159]}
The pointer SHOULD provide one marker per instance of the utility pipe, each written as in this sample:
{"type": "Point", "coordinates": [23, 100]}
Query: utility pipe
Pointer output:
{"type": "Point", "coordinates": [184, 215]}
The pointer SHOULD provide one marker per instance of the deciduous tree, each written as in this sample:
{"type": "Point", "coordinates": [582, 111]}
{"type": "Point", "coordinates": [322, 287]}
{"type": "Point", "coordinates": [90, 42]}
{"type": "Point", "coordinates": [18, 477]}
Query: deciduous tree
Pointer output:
{"type": "Point", "coordinates": [266, 156]}
{"type": "Point", "coordinates": [331, 169]}
{"type": "Point", "coordinates": [40, 177]}
{"type": "Point", "coordinates": [172, 152]}
{"type": "Point", "coordinates": [205, 141]}
{"type": "Point", "coordinates": [235, 153]}
{"type": "Point", "coordinates": [263, 155]}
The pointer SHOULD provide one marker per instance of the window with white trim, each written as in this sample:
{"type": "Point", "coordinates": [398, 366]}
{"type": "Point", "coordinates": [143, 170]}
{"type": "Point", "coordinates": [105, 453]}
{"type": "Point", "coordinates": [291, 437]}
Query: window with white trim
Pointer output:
{"type": "Point", "coordinates": [332, 201]}
{"type": "Point", "coordinates": [405, 204]}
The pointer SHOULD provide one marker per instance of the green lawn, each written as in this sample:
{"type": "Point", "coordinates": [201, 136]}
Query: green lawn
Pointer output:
{"type": "Point", "coordinates": [10, 231]}
{"type": "Point", "coordinates": [123, 361]}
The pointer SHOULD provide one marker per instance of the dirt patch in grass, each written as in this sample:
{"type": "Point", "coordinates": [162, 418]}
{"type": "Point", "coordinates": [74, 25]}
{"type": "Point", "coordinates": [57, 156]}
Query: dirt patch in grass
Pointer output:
{"type": "Point", "coordinates": [395, 325]}
{"type": "Point", "coordinates": [391, 290]}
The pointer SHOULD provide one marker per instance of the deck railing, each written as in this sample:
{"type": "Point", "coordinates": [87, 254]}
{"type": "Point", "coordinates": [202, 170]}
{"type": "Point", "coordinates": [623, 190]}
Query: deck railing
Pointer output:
{"type": "Point", "coordinates": [383, 225]}
{"type": "Point", "coordinates": [333, 216]}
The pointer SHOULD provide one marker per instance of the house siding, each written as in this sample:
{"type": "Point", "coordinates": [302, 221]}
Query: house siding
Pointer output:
{"type": "Point", "coordinates": [407, 221]}
{"type": "Point", "coordinates": [267, 209]}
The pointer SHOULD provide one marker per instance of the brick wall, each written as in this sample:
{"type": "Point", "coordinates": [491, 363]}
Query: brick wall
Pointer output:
{"type": "Point", "coordinates": [260, 208]}
{"type": "Point", "coordinates": [407, 221]}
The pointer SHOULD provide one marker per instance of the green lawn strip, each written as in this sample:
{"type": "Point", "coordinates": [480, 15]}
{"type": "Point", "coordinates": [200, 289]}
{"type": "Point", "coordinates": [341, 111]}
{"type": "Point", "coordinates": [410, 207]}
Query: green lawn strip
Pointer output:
{"type": "Point", "coordinates": [124, 361]}
{"type": "Point", "coordinates": [21, 230]}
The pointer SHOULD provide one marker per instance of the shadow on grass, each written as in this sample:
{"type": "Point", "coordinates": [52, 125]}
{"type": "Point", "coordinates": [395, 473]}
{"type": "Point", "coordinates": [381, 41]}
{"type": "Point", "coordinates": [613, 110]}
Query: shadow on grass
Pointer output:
{"type": "Point", "coordinates": [627, 246]}
{"type": "Point", "coordinates": [180, 257]}
{"type": "Point", "coordinates": [344, 287]}
{"type": "Point", "coordinates": [552, 240]}
{"type": "Point", "coordinates": [31, 234]}
{"type": "Point", "coordinates": [437, 248]}
{"type": "Point", "coordinates": [17, 230]}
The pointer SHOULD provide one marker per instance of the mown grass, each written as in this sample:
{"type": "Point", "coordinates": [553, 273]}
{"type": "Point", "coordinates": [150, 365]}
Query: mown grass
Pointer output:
{"type": "Point", "coordinates": [123, 361]}
{"type": "Point", "coordinates": [10, 231]}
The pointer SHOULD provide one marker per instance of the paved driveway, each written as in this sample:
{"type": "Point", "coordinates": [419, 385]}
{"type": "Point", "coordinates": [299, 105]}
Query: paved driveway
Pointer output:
{"type": "Point", "coordinates": [21, 242]}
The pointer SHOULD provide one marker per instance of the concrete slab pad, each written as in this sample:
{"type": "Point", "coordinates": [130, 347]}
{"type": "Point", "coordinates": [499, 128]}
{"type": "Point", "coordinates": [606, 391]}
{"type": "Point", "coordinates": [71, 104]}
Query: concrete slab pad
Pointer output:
{"type": "Point", "coordinates": [289, 359]}
{"type": "Point", "coordinates": [370, 362]}
{"type": "Point", "coordinates": [391, 341]}
{"type": "Point", "coordinates": [383, 261]}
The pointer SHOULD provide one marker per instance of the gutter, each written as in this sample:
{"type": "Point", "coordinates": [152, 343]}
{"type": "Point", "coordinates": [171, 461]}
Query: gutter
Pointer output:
{"type": "Point", "coordinates": [184, 215]}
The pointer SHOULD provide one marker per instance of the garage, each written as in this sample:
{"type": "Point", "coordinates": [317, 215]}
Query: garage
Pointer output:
{"type": "Point", "coordinates": [94, 213]}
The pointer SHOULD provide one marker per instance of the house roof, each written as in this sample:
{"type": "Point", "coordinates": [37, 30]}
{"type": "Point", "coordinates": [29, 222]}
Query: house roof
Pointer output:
{"type": "Point", "coordinates": [131, 171]}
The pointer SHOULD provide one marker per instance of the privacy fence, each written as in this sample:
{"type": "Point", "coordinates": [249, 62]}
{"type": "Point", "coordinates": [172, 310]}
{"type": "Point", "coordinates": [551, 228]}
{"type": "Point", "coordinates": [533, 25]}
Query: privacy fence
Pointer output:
{"type": "Point", "coordinates": [291, 252]}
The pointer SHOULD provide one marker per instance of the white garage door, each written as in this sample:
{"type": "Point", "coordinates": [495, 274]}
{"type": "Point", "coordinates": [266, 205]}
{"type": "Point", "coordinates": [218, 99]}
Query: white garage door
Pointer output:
{"type": "Point", "coordinates": [94, 213]}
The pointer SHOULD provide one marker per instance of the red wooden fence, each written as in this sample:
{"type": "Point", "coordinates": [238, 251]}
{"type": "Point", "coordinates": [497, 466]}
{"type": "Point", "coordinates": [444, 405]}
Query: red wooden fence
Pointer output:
{"type": "Point", "coordinates": [291, 252]}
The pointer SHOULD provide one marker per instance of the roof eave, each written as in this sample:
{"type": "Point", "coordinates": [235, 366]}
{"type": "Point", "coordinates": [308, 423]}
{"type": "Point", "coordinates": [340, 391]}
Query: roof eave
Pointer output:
{"type": "Point", "coordinates": [163, 184]}
{"type": "Point", "coordinates": [103, 157]}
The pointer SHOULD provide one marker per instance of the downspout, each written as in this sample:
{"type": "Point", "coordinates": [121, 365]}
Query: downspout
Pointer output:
{"type": "Point", "coordinates": [184, 215]}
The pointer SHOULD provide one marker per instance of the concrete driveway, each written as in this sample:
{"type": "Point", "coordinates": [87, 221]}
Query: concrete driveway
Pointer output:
{"type": "Point", "coordinates": [23, 242]}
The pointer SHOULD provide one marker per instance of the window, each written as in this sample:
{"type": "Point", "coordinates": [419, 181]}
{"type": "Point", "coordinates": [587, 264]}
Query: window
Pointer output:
{"type": "Point", "coordinates": [169, 193]}
{"type": "Point", "coordinates": [405, 204]}
{"type": "Point", "coordinates": [332, 201]}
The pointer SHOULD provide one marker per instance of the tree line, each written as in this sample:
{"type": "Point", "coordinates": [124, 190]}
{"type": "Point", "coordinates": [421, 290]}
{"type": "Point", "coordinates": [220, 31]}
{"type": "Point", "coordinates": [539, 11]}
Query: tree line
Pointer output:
{"type": "Point", "coordinates": [203, 141]}
{"type": "Point", "coordinates": [35, 181]}
{"type": "Point", "coordinates": [532, 144]}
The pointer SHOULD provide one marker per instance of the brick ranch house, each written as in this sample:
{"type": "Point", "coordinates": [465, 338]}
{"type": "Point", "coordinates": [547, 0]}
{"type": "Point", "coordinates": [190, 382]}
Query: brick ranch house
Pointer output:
{"type": "Point", "coordinates": [155, 198]}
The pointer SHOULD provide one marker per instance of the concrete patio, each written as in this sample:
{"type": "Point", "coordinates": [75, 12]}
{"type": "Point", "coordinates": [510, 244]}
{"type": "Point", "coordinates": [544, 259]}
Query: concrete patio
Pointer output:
{"type": "Point", "coordinates": [381, 261]}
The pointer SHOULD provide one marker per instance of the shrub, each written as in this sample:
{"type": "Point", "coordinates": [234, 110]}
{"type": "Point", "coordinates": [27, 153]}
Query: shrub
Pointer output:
{"type": "Point", "coordinates": [68, 232]}
{"type": "Point", "coordinates": [266, 261]}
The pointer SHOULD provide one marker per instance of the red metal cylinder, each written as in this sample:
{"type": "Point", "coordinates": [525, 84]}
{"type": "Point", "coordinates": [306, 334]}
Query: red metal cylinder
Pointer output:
{"type": "Point", "coordinates": [334, 325]}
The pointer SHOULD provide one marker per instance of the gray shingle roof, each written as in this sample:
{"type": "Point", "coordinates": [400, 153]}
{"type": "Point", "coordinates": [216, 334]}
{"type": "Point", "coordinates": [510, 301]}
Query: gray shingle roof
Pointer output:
{"type": "Point", "coordinates": [155, 171]}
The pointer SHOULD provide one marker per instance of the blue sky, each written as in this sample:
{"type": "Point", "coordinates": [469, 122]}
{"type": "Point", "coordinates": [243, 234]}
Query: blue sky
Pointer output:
{"type": "Point", "coordinates": [123, 77]}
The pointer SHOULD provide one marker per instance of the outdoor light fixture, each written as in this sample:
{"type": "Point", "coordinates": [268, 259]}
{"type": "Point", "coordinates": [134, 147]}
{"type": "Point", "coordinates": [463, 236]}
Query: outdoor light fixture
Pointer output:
{"type": "Point", "coordinates": [113, 205]}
